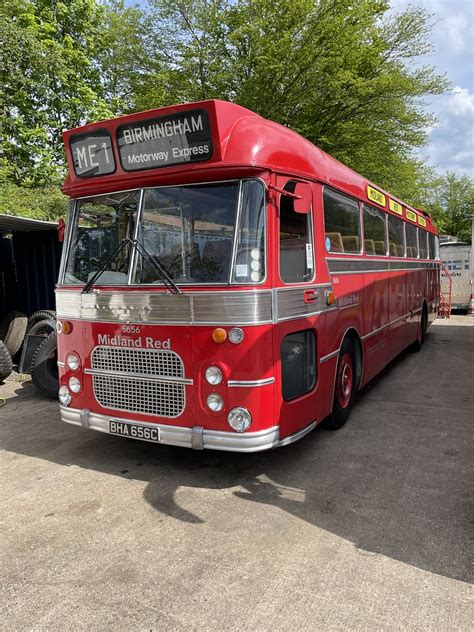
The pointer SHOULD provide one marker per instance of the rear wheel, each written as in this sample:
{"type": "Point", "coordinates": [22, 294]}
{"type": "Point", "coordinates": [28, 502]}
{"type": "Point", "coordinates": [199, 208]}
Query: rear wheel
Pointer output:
{"type": "Point", "coordinates": [44, 367]}
{"type": "Point", "coordinates": [344, 390]}
{"type": "Point", "coordinates": [416, 346]}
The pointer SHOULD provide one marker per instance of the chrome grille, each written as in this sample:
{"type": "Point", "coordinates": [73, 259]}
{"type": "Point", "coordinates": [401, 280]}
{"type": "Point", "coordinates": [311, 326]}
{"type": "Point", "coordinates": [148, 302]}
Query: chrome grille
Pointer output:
{"type": "Point", "coordinates": [140, 361]}
{"type": "Point", "coordinates": [140, 384]}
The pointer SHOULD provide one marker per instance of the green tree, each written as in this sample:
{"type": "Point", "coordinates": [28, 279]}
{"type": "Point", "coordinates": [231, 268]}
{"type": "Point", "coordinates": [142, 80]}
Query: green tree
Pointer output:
{"type": "Point", "coordinates": [341, 73]}
{"type": "Point", "coordinates": [452, 205]}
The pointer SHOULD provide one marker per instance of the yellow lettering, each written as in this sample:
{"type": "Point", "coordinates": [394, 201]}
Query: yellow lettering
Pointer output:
{"type": "Point", "coordinates": [376, 196]}
{"type": "Point", "coordinates": [395, 207]}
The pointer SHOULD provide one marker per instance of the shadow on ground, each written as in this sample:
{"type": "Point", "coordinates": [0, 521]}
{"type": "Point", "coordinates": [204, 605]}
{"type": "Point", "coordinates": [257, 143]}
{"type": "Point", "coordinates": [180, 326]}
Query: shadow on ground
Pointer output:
{"type": "Point", "coordinates": [393, 481]}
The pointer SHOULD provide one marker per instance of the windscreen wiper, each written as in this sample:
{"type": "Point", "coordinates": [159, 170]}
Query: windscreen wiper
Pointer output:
{"type": "Point", "coordinates": [154, 262]}
{"type": "Point", "coordinates": [157, 266]}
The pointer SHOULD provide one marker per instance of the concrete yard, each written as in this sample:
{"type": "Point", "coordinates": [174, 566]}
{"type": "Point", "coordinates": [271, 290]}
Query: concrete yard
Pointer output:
{"type": "Point", "coordinates": [367, 528]}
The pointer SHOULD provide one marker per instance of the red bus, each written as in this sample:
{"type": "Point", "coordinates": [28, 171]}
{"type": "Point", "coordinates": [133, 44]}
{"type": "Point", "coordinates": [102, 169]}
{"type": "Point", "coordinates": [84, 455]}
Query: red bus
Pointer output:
{"type": "Point", "coordinates": [227, 285]}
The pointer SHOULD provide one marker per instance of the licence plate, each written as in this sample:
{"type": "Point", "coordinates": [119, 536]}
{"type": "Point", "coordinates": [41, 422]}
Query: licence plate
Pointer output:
{"type": "Point", "coordinates": [134, 431]}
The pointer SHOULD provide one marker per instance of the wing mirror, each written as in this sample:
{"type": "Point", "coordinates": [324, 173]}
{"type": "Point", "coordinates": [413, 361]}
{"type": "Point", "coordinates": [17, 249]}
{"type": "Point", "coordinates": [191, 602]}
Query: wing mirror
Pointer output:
{"type": "Point", "coordinates": [303, 197]}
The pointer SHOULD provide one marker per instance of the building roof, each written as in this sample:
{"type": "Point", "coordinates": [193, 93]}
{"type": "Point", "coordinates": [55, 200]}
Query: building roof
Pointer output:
{"type": "Point", "coordinates": [13, 224]}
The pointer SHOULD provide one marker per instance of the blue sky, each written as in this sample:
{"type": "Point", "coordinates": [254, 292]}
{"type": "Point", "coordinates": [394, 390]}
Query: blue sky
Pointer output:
{"type": "Point", "coordinates": [451, 145]}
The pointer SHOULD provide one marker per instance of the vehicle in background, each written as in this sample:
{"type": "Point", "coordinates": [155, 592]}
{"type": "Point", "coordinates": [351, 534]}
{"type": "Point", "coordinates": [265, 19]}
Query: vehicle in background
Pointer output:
{"type": "Point", "coordinates": [457, 256]}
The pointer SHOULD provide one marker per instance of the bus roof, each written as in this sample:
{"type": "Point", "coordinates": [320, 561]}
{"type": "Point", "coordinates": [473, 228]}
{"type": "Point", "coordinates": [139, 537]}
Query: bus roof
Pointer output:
{"type": "Point", "coordinates": [206, 140]}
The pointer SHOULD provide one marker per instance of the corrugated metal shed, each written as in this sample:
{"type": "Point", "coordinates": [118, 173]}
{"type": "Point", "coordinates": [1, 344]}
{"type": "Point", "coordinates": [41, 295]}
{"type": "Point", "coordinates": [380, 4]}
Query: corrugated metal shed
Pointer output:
{"type": "Point", "coordinates": [12, 224]}
{"type": "Point", "coordinates": [30, 252]}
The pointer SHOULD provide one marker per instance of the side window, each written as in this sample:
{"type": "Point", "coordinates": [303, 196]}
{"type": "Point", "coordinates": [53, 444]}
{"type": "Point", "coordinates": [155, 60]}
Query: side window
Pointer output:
{"type": "Point", "coordinates": [296, 241]}
{"type": "Point", "coordinates": [342, 222]}
{"type": "Point", "coordinates": [298, 363]}
{"type": "Point", "coordinates": [396, 236]}
{"type": "Point", "coordinates": [375, 234]}
{"type": "Point", "coordinates": [432, 246]}
{"type": "Point", "coordinates": [437, 246]}
{"type": "Point", "coordinates": [422, 243]}
{"type": "Point", "coordinates": [412, 240]}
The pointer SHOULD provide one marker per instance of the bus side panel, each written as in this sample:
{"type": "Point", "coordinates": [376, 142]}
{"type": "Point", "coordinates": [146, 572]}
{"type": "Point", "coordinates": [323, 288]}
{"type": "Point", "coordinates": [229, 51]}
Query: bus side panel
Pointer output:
{"type": "Point", "coordinates": [414, 302]}
{"type": "Point", "coordinates": [398, 339]}
{"type": "Point", "coordinates": [376, 318]}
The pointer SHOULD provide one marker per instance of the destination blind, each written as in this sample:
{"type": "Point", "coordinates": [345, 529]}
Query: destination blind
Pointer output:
{"type": "Point", "coordinates": [168, 140]}
{"type": "Point", "coordinates": [92, 154]}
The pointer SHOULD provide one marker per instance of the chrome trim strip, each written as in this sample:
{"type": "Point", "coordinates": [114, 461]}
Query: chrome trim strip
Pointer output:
{"type": "Point", "coordinates": [297, 435]}
{"type": "Point", "coordinates": [133, 254]}
{"type": "Point", "coordinates": [61, 365]}
{"type": "Point", "coordinates": [290, 302]}
{"type": "Point", "coordinates": [238, 213]}
{"type": "Point", "coordinates": [238, 307]}
{"type": "Point", "coordinates": [392, 322]}
{"type": "Point", "coordinates": [183, 436]}
{"type": "Point", "coordinates": [139, 376]}
{"type": "Point", "coordinates": [329, 356]}
{"type": "Point", "coordinates": [250, 383]}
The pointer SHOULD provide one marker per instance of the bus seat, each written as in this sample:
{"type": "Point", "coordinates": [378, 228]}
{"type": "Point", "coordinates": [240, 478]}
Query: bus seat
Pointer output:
{"type": "Point", "coordinates": [392, 249]}
{"type": "Point", "coordinates": [400, 250]}
{"type": "Point", "coordinates": [336, 242]}
{"type": "Point", "coordinates": [351, 243]}
{"type": "Point", "coordinates": [369, 246]}
{"type": "Point", "coordinates": [380, 248]}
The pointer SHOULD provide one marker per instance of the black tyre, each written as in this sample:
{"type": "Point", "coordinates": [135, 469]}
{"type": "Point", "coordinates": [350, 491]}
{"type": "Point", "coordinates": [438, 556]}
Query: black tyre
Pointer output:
{"type": "Point", "coordinates": [44, 367]}
{"type": "Point", "coordinates": [345, 386]}
{"type": "Point", "coordinates": [42, 314]}
{"type": "Point", "coordinates": [416, 346]}
{"type": "Point", "coordinates": [6, 364]}
{"type": "Point", "coordinates": [42, 328]}
{"type": "Point", "coordinates": [16, 323]}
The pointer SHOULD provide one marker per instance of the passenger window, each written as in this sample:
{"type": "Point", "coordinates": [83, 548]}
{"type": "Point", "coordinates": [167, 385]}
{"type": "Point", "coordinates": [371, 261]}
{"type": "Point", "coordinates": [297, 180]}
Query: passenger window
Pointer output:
{"type": "Point", "coordinates": [422, 243]}
{"type": "Point", "coordinates": [375, 236]}
{"type": "Point", "coordinates": [296, 242]}
{"type": "Point", "coordinates": [396, 236]}
{"type": "Point", "coordinates": [412, 240]}
{"type": "Point", "coordinates": [342, 221]}
{"type": "Point", "coordinates": [432, 246]}
{"type": "Point", "coordinates": [298, 364]}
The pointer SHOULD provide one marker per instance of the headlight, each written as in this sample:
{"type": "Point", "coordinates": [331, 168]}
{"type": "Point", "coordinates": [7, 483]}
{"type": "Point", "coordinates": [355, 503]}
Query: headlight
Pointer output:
{"type": "Point", "coordinates": [213, 375]}
{"type": "Point", "coordinates": [215, 402]}
{"type": "Point", "coordinates": [236, 335]}
{"type": "Point", "coordinates": [75, 384]}
{"type": "Point", "coordinates": [73, 362]}
{"type": "Point", "coordinates": [64, 396]}
{"type": "Point", "coordinates": [239, 419]}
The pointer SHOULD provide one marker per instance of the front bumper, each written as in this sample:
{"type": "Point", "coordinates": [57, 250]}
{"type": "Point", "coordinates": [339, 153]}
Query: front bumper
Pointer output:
{"type": "Point", "coordinates": [197, 437]}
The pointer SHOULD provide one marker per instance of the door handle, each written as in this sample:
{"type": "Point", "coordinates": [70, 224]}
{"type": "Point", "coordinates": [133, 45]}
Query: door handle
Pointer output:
{"type": "Point", "coordinates": [310, 296]}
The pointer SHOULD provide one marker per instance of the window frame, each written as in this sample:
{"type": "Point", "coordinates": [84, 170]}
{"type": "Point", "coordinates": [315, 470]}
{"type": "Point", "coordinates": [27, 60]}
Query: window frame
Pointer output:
{"type": "Point", "coordinates": [395, 217]}
{"type": "Point", "coordinates": [361, 234]}
{"type": "Point", "coordinates": [311, 234]}
{"type": "Point", "coordinates": [417, 243]}
{"type": "Point", "coordinates": [384, 214]}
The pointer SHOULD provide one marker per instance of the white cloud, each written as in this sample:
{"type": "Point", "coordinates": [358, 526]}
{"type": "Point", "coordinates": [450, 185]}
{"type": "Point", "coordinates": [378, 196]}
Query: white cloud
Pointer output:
{"type": "Point", "coordinates": [451, 145]}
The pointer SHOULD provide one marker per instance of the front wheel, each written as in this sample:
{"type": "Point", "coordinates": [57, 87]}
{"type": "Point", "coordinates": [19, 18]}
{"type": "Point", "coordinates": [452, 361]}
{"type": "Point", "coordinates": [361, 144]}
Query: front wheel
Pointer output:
{"type": "Point", "coordinates": [344, 389]}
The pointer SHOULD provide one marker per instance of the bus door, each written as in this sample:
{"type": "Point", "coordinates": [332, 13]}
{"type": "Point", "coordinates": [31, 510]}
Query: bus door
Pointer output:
{"type": "Point", "coordinates": [295, 304]}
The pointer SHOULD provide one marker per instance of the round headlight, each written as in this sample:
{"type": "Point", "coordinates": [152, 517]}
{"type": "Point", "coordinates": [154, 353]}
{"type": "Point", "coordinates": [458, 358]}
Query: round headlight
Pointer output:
{"type": "Point", "coordinates": [236, 335]}
{"type": "Point", "coordinates": [213, 375]}
{"type": "Point", "coordinates": [64, 396]}
{"type": "Point", "coordinates": [239, 419]}
{"type": "Point", "coordinates": [74, 384]}
{"type": "Point", "coordinates": [73, 361]}
{"type": "Point", "coordinates": [215, 402]}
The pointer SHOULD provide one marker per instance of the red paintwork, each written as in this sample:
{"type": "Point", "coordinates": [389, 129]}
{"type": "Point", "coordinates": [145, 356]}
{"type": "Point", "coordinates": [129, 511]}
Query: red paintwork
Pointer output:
{"type": "Point", "coordinates": [248, 145]}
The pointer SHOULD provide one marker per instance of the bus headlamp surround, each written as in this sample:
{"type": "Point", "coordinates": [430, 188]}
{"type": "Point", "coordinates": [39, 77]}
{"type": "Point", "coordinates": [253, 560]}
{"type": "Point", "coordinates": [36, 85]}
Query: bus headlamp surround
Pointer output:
{"type": "Point", "coordinates": [64, 396]}
{"type": "Point", "coordinates": [73, 361]}
{"type": "Point", "coordinates": [213, 375]}
{"type": "Point", "coordinates": [239, 419]}
{"type": "Point", "coordinates": [215, 402]}
{"type": "Point", "coordinates": [75, 384]}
